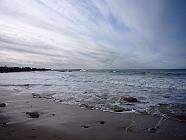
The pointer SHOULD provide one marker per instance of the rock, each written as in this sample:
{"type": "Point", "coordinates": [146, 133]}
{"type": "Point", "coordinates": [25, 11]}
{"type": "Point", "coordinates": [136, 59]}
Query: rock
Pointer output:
{"type": "Point", "coordinates": [34, 95]}
{"type": "Point", "coordinates": [53, 114]}
{"type": "Point", "coordinates": [33, 114]}
{"type": "Point", "coordinates": [102, 122]}
{"type": "Point", "coordinates": [2, 104]}
{"type": "Point", "coordinates": [87, 106]}
{"type": "Point", "coordinates": [129, 99]}
{"type": "Point", "coordinates": [85, 126]}
{"type": "Point", "coordinates": [85, 92]}
{"type": "Point", "coordinates": [117, 109]}
{"type": "Point", "coordinates": [152, 130]}
{"type": "Point", "coordinates": [3, 124]}
{"type": "Point", "coordinates": [48, 97]}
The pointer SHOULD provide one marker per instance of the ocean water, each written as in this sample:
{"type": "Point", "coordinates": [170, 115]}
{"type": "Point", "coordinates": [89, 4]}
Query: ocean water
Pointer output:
{"type": "Point", "coordinates": [157, 91]}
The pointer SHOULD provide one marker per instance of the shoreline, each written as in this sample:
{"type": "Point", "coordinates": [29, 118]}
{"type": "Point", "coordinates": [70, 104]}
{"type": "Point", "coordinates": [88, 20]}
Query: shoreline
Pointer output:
{"type": "Point", "coordinates": [69, 122]}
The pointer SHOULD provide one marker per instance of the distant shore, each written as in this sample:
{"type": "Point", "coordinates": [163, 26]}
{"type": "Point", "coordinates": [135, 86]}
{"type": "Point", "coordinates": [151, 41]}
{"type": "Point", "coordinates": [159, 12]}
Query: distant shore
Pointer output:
{"type": "Point", "coordinates": [28, 118]}
{"type": "Point", "coordinates": [6, 69]}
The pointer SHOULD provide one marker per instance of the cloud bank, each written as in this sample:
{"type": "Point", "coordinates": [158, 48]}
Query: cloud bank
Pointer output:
{"type": "Point", "coordinates": [93, 33]}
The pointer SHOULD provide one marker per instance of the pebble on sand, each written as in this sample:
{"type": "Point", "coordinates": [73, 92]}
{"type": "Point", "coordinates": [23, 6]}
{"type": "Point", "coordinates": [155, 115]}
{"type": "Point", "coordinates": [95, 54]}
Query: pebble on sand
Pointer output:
{"type": "Point", "coordinates": [34, 95]}
{"type": "Point", "coordinates": [152, 130]}
{"type": "Point", "coordinates": [33, 114]}
{"type": "Point", "coordinates": [85, 126]}
{"type": "Point", "coordinates": [102, 122]}
{"type": "Point", "coordinates": [2, 104]}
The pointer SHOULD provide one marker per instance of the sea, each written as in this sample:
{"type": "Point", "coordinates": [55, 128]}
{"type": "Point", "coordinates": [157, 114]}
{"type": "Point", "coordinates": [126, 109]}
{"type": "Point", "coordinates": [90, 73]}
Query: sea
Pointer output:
{"type": "Point", "coordinates": [158, 91]}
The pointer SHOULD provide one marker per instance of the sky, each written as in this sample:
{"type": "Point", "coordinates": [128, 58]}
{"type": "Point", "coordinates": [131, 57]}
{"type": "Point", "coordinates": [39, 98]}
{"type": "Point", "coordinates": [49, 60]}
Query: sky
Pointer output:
{"type": "Point", "coordinates": [93, 34]}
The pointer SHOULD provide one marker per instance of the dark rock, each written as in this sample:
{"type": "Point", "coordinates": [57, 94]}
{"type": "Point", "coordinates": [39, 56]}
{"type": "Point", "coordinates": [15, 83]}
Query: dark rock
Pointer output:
{"type": "Point", "coordinates": [152, 130]}
{"type": "Point", "coordinates": [129, 99]}
{"type": "Point", "coordinates": [3, 124]}
{"type": "Point", "coordinates": [34, 95]}
{"type": "Point", "coordinates": [102, 122]}
{"type": "Point", "coordinates": [87, 106]}
{"type": "Point", "coordinates": [129, 104]}
{"type": "Point", "coordinates": [2, 104]}
{"type": "Point", "coordinates": [85, 126]}
{"type": "Point", "coordinates": [33, 114]}
{"type": "Point", "coordinates": [117, 109]}
{"type": "Point", "coordinates": [85, 92]}
{"type": "Point", "coordinates": [53, 114]}
{"type": "Point", "coordinates": [48, 97]}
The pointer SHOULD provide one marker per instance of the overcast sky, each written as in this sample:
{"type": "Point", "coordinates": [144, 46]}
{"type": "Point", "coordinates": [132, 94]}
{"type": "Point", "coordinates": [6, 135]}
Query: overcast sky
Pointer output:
{"type": "Point", "coordinates": [93, 33]}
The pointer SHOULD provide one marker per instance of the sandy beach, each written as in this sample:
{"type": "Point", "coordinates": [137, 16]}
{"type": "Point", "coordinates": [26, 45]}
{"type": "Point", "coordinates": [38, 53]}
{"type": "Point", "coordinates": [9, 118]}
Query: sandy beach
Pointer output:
{"type": "Point", "coordinates": [58, 121]}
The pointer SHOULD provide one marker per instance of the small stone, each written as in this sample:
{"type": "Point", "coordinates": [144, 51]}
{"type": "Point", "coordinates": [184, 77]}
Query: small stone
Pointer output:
{"type": "Point", "coordinates": [34, 95]}
{"type": "Point", "coordinates": [129, 104]}
{"type": "Point", "coordinates": [33, 114]}
{"type": "Point", "coordinates": [180, 117]}
{"type": "Point", "coordinates": [102, 122]}
{"type": "Point", "coordinates": [85, 92]}
{"type": "Point", "coordinates": [2, 104]}
{"type": "Point", "coordinates": [152, 130]}
{"type": "Point", "coordinates": [117, 109]}
{"type": "Point", "coordinates": [85, 126]}
{"type": "Point", "coordinates": [53, 114]}
{"type": "Point", "coordinates": [3, 124]}
{"type": "Point", "coordinates": [129, 99]}
{"type": "Point", "coordinates": [86, 106]}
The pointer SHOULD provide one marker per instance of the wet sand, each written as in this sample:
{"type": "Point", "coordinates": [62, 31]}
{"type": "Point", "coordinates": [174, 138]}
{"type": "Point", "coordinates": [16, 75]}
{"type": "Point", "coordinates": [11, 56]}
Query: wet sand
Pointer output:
{"type": "Point", "coordinates": [69, 122]}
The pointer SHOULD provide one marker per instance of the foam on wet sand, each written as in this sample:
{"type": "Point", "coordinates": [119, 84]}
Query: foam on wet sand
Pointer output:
{"type": "Point", "coordinates": [59, 121]}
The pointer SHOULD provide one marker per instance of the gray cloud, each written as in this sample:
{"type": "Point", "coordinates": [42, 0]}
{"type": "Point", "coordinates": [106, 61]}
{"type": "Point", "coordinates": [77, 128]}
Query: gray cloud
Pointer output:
{"type": "Point", "coordinates": [92, 34]}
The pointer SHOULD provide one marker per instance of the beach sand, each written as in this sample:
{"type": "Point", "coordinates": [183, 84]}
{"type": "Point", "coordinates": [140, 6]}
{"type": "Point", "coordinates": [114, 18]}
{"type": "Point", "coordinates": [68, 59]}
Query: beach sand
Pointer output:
{"type": "Point", "coordinates": [58, 121]}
